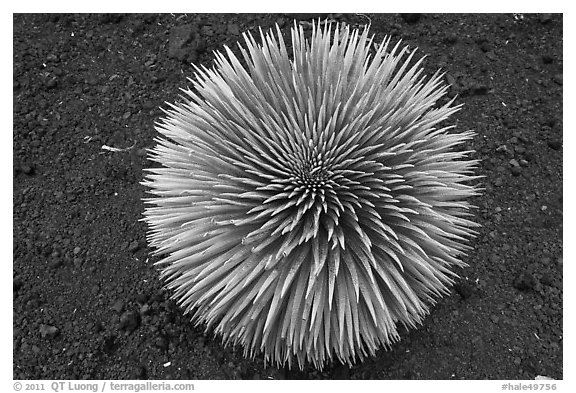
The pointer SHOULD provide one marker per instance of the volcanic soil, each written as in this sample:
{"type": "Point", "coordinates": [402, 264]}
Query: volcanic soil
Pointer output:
{"type": "Point", "coordinates": [87, 299]}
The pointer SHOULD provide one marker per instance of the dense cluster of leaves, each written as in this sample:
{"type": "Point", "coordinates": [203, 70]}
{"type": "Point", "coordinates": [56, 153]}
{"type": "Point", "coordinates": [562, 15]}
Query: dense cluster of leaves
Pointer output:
{"type": "Point", "coordinates": [307, 203]}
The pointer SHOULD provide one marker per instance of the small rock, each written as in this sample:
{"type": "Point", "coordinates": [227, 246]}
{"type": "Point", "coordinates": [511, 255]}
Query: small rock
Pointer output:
{"type": "Point", "coordinates": [145, 309]}
{"type": "Point", "coordinates": [27, 169]}
{"type": "Point", "coordinates": [558, 79]}
{"type": "Point", "coordinates": [494, 318]}
{"type": "Point", "coordinates": [118, 306]}
{"type": "Point", "coordinates": [134, 246]}
{"type": "Point", "coordinates": [491, 55]}
{"type": "Point", "coordinates": [498, 182]}
{"type": "Point", "coordinates": [514, 163]}
{"type": "Point", "coordinates": [76, 250]}
{"type": "Point", "coordinates": [502, 149]}
{"type": "Point", "coordinates": [55, 263]}
{"type": "Point", "coordinates": [92, 79]}
{"type": "Point", "coordinates": [161, 343]}
{"type": "Point", "coordinates": [451, 80]}
{"type": "Point", "coordinates": [129, 321]}
{"type": "Point", "coordinates": [519, 149]}
{"type": "Point", "coordinates": [52, 83]}
{"type": "Point", "coordinates": [48, 331]}
{"type": "Point", "coordinates": [52, 58]}
{"type": "Point", "coordinates": [148, 104]}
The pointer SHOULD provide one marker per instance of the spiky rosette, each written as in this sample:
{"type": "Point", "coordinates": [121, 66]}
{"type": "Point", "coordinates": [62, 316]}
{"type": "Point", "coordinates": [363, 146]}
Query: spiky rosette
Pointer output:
{"type": "Point", "coordinates": [307, 204]}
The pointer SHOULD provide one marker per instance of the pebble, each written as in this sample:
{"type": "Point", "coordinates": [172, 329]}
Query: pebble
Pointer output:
{"type": "Point", "coordinates": [76, 250]}
{"type": "Point", "coordinates": [27, 169]}
{"type": "Point", "coordinates": [519, 149]}
{"type": "Point", "coordinates": [48, 331]}
{"type": "Point", "coordinates": [145, 309]}
{"type": "Point", "coordinates": [514, 163]}
{"type": "Point", "coordinates": [161, 343]}
{"type": "Point", "coordinates": [491, 55]}
{"type": "Point", "coordinates": [494, 318]}
{"type": "Point", "coordinates": [516, 170]}
{"type": "Point", "coordinates": [118, 306]}
{"type": "Point", "coordinates": [129, 321]}
{"type": "Point", "coordinates": [134, 246]}
{"type": "Point", "coordinates": [92, 79]}
{"type": "Point", "coordinates": [52, 83]}
{"type": "Point", "coordinates": [55, 263]}
{"type": "Point", "coordinates": [558, 79]}
{"type": "Point", "coordinates": [52, 58]}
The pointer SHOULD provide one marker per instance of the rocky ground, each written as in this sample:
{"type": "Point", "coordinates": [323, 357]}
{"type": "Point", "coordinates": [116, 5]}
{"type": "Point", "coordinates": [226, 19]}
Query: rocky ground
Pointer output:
{"type": "Point", "coordinates": [87, 300]}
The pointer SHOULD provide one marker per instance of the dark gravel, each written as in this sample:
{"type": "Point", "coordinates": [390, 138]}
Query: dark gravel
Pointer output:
{"type": "Point", "coordinates": [87, 300]}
